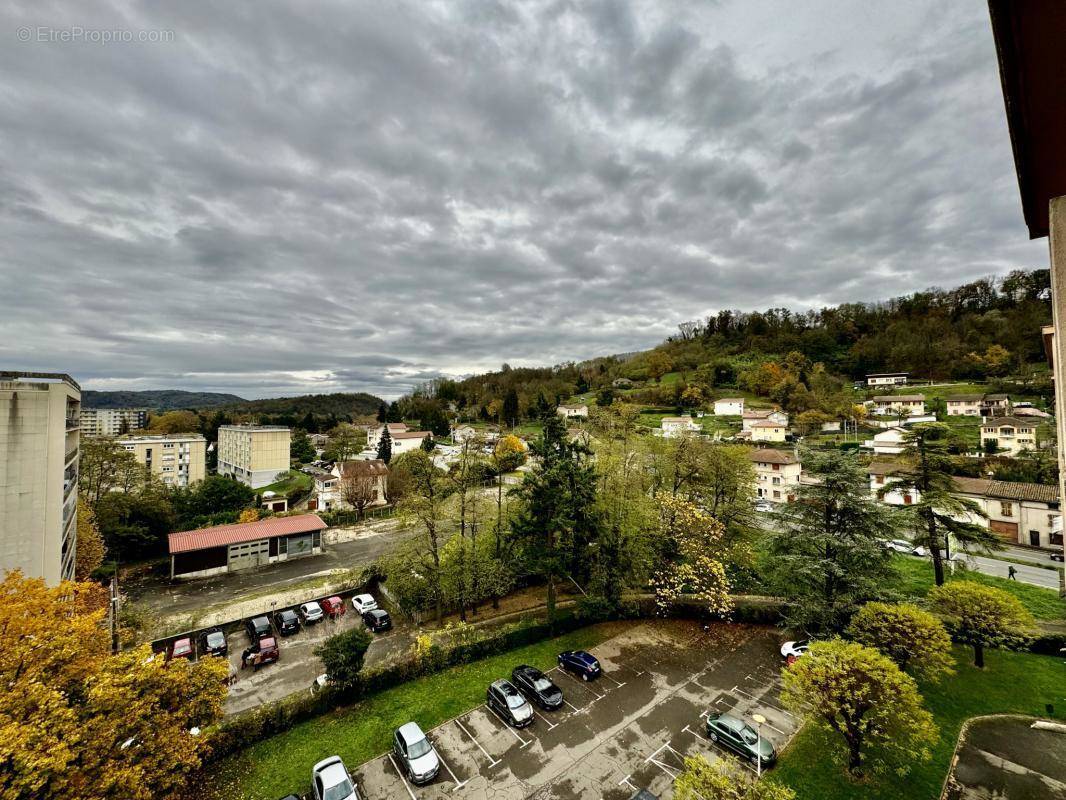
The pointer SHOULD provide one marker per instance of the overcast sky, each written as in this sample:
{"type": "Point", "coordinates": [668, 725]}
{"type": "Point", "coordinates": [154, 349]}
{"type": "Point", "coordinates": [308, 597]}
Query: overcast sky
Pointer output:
{"type": "Point", "coordinates": [294, 197]}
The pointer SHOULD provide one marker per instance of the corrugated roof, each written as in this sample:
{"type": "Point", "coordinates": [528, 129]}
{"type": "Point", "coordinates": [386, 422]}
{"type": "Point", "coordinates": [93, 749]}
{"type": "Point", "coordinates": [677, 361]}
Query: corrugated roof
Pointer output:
{"type": "Point", "coordinates": [768, 455]}
{"type": "Point", "coordinates": [222, 535]}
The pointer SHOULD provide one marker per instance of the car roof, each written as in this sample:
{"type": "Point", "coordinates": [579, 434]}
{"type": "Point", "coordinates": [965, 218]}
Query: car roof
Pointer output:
{"type": "Point", "coordinates": [263, 619]}
{"type": "Point", "coordinates": [288, 611]}
{"type": "Point", "coordinates": [525, 668]}
{"type": "Point", "coordinates": [504, 685]}
{"type": "Point", "coordinates": [410, 732]}
{"type": "Point", "coordinates": [364, 597]}
{"type": "Point", "coordinates": [183, 640]}
{"type": "Point", "coordinates": [378, 612]}
{"type": "Point", "coordinates": [311, 604]}
{"type": "Point", "coordinates": [267, 640]}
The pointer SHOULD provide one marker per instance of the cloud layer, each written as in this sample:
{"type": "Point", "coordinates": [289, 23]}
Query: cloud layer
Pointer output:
{"type": "Point", "coordinates": [284, 198]}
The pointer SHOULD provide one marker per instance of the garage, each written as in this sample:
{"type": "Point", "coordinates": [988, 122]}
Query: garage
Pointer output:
{"type": "Point", "coordinates": [248, 555]}
{"type": "Point", "coordinates": [1007, 531]}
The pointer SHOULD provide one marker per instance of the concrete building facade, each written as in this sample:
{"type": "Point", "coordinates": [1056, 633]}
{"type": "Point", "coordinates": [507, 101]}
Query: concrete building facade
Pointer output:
{"type": "Point", "coordinates": [1009, 434]}
{"type": "Point", "coordinates": [177, 460]}
{"type": "Point", "coordinates": [777, 474]}
{"type": "Point", "coordinates": [39, 448]}
{"type": "Point", "coordinates": [253, 454]}
{"type": "Point", "coordinates": [112, 421]}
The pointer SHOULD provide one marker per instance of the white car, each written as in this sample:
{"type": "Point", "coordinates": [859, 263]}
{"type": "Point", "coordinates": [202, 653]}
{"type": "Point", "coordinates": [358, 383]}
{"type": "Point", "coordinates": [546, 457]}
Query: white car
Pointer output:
{"type": "Point", "coordinates": [311, 613]}
{"type": "Point", "coordinates": [903, 546]}
{"type": "Point", "coordinates": [795, 649]}
{"type": "Point", "coordinates": [364, 602]}
{"type": "Point", "coordinates": [330, 781]}
{"type": "Point", "coordinates": [763, 507]}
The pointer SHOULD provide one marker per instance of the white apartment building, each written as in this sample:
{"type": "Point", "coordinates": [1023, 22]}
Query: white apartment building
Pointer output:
{"type": "Point", "coordinates": [888, 442]}
{"type": "Point", "coordinates": [777, 474]}
{"type": "Point", "coordinates": [177, 460]}
{"type": "Point", "coordinates": [253, 454]}
{"type": "Point", "coordinates": [729, 406]}
{"type": "Point", "coordinates": [964, 405]}
{"type": "Point", "coordinates": [373, 436]}
{"type": "Point", "coordinates": [39, 446]}
{"type": "Point", "coordinates": [769, 431]}
{"type": "Point", "coordinates": [112, 421]}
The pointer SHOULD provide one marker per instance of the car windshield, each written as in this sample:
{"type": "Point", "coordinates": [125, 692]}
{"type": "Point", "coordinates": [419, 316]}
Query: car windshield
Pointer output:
{"type": "Point", "coordinates": [215, 639]}
{"type": "Point", "coordinates": [749, 736]}
{"type": "Point", "coordinates": [338, 791]}
{"type": "Point", "coordinates": [418, 749]}
{"type": "Point", "coordinates": [542, 684]}
{"type": "Point", "coordinates": [514, 699]}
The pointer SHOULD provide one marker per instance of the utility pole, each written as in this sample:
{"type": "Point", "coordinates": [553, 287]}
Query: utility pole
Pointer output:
{"type": "Point", "coordinates": [112, 611]}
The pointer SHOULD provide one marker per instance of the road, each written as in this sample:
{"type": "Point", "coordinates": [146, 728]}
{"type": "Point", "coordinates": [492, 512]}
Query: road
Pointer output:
{"type": "Point", "coordinates": [1033, 575]}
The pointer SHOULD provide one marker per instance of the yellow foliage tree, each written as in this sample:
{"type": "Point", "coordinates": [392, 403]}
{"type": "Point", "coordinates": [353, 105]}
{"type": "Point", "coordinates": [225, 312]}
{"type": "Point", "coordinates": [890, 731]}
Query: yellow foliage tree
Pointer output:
{"type": "Point", "coordinates": [76, 721]}
{"type": "Point", "coordinates": [694, 566]}
{"type": "Point", "coordinates": [176, 422]}
{"type": "Point", "coordinates": [249, 515]}
{"type": "Point", "coordinates": [90, 550]}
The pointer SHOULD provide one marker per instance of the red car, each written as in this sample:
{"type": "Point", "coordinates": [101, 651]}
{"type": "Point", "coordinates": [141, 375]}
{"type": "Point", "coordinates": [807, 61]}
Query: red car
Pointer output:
{"type": "Point", "coordinates": [265, 651]}
{"type": "Point", "coordinates": [180, 648]}
{"type": "Point", "coordinates": [333, 607]}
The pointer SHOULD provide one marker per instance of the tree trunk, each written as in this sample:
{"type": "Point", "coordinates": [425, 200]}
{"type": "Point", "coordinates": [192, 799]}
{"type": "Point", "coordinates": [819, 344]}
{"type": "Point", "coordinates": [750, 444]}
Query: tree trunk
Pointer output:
{"type": "Point", "coordinates": [551, 599]}
{"type": "Point", "coordinates": [979, 656]}
{"type": "Point", "coordinates": [854, 755]}
{"type": "Point", "coordinates": [936, 553]}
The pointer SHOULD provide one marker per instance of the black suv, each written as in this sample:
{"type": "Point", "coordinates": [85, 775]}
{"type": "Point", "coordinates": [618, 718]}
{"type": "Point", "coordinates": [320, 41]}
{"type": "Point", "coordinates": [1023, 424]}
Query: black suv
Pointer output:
{"type": "Point", "coordinates": [213, 643]}
{"type": "Point", "coordinates": [535, 685]}
{"type": "Point", "coordinates": [257, 628]}
{"type": "Point", "coordinates": [508, 702]}
{"type": "Point", "coordinates": [287, 622]}
{"type": "Point", "coordinates": [741, 738]}
{"type": "Point", "coordinates": [378, 620]}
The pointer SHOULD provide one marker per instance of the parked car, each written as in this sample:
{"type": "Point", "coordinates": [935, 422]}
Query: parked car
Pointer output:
{"type": "Point", "coordinates": [287, 622]}
{"type": "Point", "coordinates": [364, 602]}
{"type": "Point", "coordinates": [737, 735]}
{"type": "Point", "coordinates": [503, 698]}
{"type": "Point", "coordinates": [265, 651]}
{"type": "Point", "coordinates": [905, 547]}
{"type": "Point", "coordinates": [764, 506]}
{"type": "Point", "coordinates": [310, 613]}
{"type": "Point", "coordinates": [257, 628]}
{"type": "Point", "coordinates": [580, 663]}
{"type": "Point", "coordinates": [535, 685]}
{"type": "Point", "coordinates": [793, 650]}
{"type": "Point", "coordinates": [415, 752]}
{"type": "Point", "coordinates": [378, 620]}
{"type": "Point", "coordinates": [213, 643]}
{"type": "Point", "coordinates": [330, 781]}
{"type": "Point", "coordinates": [332, 607]}
{"type": "Point", "coordinates": [180, 648]}
{"type": "Point", "coordinates": [1057, 556]}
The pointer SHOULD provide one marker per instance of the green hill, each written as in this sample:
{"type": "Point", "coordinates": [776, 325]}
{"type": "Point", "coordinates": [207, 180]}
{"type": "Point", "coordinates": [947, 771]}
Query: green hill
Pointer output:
{"type": "Point", "coordinates": [157, 399]}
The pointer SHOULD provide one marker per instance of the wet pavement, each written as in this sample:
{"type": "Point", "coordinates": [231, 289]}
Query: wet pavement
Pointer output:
{"type": "Point", "coordinates": [1006, 759]}
{"type": "Point", "coordinates": [630, 729]}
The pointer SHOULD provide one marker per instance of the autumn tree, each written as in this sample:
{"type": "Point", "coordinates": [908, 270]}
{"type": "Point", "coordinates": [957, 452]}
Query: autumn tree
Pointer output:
{"type": "Point", "coordinates": [90, 550]}
{"type": "Point", "coordinates": [702, 780]}
{"type": "Point", "coordinates": [176, 422]}
{"type": "Point", "coordinates": [360, 484]}
{"type": "Point", "coordinates": [105, 466]}
{"type": "Point", "coordinates": [423, 507]}
{"type": "Point", "coordinates": [863, 697]}
{"type": "Point", "coordinates": [248, 515]}
{"type": "Point", "coordinates": [912, 637]}
{"type": "Point", "coordinates": [692, 558]}
{"type": "Point", "coordinates": [80, 722]}
{"type": "Point", "coordinates": [659, 363]}
{"type": "Point", "coordinates": [981, 616]}
{"type": "Point", "coordinates": [510, 453]}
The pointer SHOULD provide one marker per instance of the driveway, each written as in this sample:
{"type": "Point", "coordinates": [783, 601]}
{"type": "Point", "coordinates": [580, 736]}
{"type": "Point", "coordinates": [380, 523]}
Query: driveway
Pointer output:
{"type": "Point", "coordinates": [1004, 758]}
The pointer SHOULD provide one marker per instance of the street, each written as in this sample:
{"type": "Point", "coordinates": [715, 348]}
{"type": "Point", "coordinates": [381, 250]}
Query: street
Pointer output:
{"type": "Point", "coordinates": [1034, 575]}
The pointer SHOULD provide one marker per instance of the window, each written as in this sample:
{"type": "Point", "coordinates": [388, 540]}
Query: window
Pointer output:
{"type": "Point", "coordinates": [777, 481]}
{"type": "Point", "coordinates": [777, 495]}
{"type": "Point", "coordinates": [1006, 509]}
{"type": "Point", "coordinates": [907, 500]}
{"type": "Point", "coordinates": [777, 467]}
{"type": "Point", "coordinates": [880, 479]}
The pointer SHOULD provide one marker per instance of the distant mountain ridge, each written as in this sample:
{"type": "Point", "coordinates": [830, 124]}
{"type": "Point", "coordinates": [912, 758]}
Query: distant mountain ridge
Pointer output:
{"type": "Point", "coordinates": [158, 399]}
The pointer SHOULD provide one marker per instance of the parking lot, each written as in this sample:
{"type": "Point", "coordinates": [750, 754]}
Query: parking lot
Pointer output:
{"type": "Point", "coordinates": [628, 730]}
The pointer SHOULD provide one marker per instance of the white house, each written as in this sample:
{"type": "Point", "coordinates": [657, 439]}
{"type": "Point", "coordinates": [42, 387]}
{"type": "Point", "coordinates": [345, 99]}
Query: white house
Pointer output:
{"type": "Point", "coordinates": [1010, 435]}
{"type": "Point", "coordinates": [769, 431]}
{"type": "Point", "coordinates": [964, 405]}
{"type": "Point", "coordinates": [729, 406]}
{"type": "Point", "coordinates": [569, 411]}
{"type": "Point", "coordinates": [678, 426]}
{"type": "Point", "coordinates": [373, 436]}
{"type": "Point", "coordinates": [996, 405]}
{"type": "Point", "coordinates": [912, 405]}
{"type": "Point", "coordinates": [887, 379]}
{"type": "Point", "coordinates": [372, 477]}
{"type": "Point", "coordinates": [777, 474]}
{"type": "Point", "coordinates": [460, 433]}
{"type": "Point", "coordinates": [751, 416]}
{"type": "Point", "coordinates": [406, 441]}
{"type": "Point", "coordinates": [887, 442]}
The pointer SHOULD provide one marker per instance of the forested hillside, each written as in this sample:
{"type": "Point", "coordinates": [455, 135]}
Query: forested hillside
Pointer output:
{"type": "Point", "coordinates": [340, 405]}
{"type": "Point", "coordinates": [157, 399]}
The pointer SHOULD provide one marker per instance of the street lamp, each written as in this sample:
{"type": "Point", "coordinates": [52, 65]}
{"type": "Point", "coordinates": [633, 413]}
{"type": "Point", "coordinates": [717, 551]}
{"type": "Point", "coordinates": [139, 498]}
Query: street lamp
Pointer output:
{"type": "Point", "coordinates": [759, 720]}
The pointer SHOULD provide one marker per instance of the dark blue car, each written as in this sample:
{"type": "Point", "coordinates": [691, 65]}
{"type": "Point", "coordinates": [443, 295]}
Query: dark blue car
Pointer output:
{"type": "Point", "coordinates": [580, 663]}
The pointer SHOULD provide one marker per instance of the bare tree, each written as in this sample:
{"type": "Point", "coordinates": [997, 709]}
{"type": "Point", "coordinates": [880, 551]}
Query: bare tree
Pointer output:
{"type": "Point", "coordinates": [359, 489]}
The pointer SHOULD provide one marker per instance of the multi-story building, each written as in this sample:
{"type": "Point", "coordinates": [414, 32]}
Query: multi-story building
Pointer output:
{"type": "Point", "coordinates": [752, 416]}
{"type": "Point", "coordinates": [112, 421]}
{"type": "Point", "coordinates": [253, 454]}
{"type": "Point", "coordinates": [1010, 435]}
{"type": "Point", "coordinates": [39, 436]}
{"type": "Point", "coordinates": [964, 405]}
{"type": "Point", "coordinates": [769, 431]}
{"type": "Point", "coordinates": [887, 379]}
{"type": "Point", "coordinates": [777, 474]}
{"type": "Point", "coordinates": [912, 405]}
{"type": "Point", "coordinates": [177, 460]}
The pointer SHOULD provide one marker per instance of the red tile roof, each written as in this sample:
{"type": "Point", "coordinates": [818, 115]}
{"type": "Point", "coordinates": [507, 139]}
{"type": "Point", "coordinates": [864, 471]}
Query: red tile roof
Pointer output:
{"type": "Point", "coordinates": [221, 535]}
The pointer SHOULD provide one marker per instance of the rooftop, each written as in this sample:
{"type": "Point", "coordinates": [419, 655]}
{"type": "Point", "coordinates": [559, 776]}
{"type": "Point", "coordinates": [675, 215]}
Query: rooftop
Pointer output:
{"type": "Point", "coordinates": [252, 428]}
{"type": "Point", "coordinates": [1002, 422]}
{"type": "Point", "coordinates": [40, 377]}
{"type": "Point", "coordinates": [900, 398]}
{"type": "Point", "coordinates": [223, 535]}
{"type": "Point", "coordinates": [963, 398]}
{"type": "Point", "coordinates": [768, 455]}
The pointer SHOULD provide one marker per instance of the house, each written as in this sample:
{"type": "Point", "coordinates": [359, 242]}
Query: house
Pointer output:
{"type": "Point", "coordinates": [892, 405]}
{"type": "Point", "coordinates": [406, 441]}
{"type": "Point", "coordinates": [622, 383]}
{"type": "Point", "coordinates": [729, 406]}
{"type": "Point", "coordinates": [569, 411]}
{"type": "Point", "coordinates": [1020, 513]}
{"type": "Point", "coordinates": [319, 441]}
{"type": "Point", "coordinates": [769, 431]}
{"type": "Point", "coordinates": [226, 548]}
{"type": "Point", "coordinates": [887, 442]}
{"type": "Point", "coordinates": [578, 436]}
{"type": "Point", "coordinates": [678, 426]}
{"type": "Point", "coordinates": [1008, 435]}
{"type": "Point", "coordinates": [751, 416]}
{"type": "Point", "coordinates": [460, 433]}
{"type": "Point", "coordinates": [777, 474]}
{"type": "Point", "coordinates": [887, 379]}
{"type": "Point", "coordinates": [373, 436]}
{"type": "Point", "coordinates": [367, 478]}
{"type": "Point", "coordinates": [996, 405]}
{"type": "Point", "coordinates": [964, 405]}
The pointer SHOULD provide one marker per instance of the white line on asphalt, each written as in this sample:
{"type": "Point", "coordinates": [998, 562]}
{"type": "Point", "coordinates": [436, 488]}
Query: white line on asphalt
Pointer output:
{"type": "Point", "coordinates": [612, 680]}
{"type": "Point", "coordinates": [551, 725]}
{"type": "Point", "coordinates": [402, 778]}
{"type": "Point", "coordinates": [492, 761]}
{"type": "Point", "coordinates": [578, 710]}
{"type": "Point", "coordinates": [668, 770]}
{"type": "Point", "coordinates": [764, 702]}
{"type": "Point", "coordinates": [597, 695]}
{"type": "Point", "coordinates": [626, 781]}
{"type": "Point", "coordinates": [649, 758]}
{"type": "Point", "coordinates": [458, 783]}
{"type": "Point", "coordinates": [511, 730]}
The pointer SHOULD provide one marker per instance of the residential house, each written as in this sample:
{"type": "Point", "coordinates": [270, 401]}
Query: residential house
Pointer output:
{"type": "Point", "coordinates": [406, 441]}
{"type": "Point", "coordinates": [891, 405]}
{"type": "Point", "coordinates": [964, 405]}
{"type": "Point", "coordinates": [460, 433]}
{"type": "Point", "coordinates": [996, 405]}
{"type": "Point", "coordinates": [753, 415]}
{"type": "Point", "coordinates": [622, 383]}
{"type": "Point", "coordinates": [729, 406]}
{"type": "Point", "coordinates": [1020, 513]}
{"type": "Point", "coordinates": [373, 436]}
{"type": "Point", "coordinates": [370, 476]}
{"type": "Point", "coordinates": [887, 442]}
{"type": "Point", "coordinates": [253, 454]}
{"type": "Point", "coordinates": [887, 379]}
{"type": "Point", "coordinates": [678, 426]}
{"type": "Point", "coordinates": [769, 431]}
{"type": "Point", "coordinates": [569, 411]}
{"type": "Point", "coordinates": [1008, 435]}
{"type": "Point", "coordinates": [319, 441]}
{"type": "Point", "coordinates": [177, 460]}
{"type": "Point", "coordinates": [777, 474]}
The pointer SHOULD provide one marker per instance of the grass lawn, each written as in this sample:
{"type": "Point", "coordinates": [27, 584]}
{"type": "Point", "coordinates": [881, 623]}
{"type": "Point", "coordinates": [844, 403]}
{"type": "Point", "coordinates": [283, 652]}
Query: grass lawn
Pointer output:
{"type": "Point", "coordinates": [1010, 683]}
{"type": "Point", "coordinates": [917, 579]}
{"type": "Point", "coordinates": [297, 481]}
{"type": "Point", "coordinates": [282, 764]}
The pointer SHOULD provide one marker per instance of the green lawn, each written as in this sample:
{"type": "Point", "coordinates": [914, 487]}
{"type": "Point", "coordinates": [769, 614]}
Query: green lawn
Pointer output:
{"type": "Point", "coordinates": [282, 764]}
{"type": "Point", "coordinates": [297, 481]}
{"type": "Point", "coordinates": [1018, 683]}
{"type": "Point", "coordinates": [916, 579]}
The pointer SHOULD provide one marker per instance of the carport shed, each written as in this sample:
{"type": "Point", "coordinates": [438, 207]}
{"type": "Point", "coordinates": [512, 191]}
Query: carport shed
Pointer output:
{"type": "Point", "coordinates": [224, 548]}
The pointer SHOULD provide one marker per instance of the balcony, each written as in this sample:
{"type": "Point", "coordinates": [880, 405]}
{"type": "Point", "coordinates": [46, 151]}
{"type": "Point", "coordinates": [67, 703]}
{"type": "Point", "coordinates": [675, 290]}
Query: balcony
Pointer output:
{"type": "Point", "coordinates": [73, 421]}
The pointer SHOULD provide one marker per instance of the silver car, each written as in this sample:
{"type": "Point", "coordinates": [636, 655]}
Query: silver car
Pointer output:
{"type": "Point", "coordinates": [311, 613]}
{"type": "Point", "coordinates": [415, 753]}
{"type": "Point", "coordinates": [330, 781]}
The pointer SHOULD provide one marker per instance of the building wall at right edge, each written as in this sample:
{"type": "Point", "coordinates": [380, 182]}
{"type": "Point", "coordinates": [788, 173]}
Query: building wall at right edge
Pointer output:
{"type": "Point", "coordinates": [1057, 242]}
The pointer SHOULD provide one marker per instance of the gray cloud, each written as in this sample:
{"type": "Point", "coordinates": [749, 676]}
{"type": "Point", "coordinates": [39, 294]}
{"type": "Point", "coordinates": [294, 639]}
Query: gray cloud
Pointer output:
{"type": "Point", "coordinates": [360, 198]}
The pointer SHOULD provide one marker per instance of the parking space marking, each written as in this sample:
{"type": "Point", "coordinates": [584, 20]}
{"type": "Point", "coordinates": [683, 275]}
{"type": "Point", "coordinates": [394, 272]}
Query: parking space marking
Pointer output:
{"type": "Point", "coordinates": [764, 702]}
{"type": "Point", "coordinates": [402, 778]}
{"type": "Point", "coordinates": [576, 710]}
{"type": "Point", "coordinates": [612, 680]}
{"type": "Point", "coordinates": [492, 761]}
{"type": "Point", "coordinates": [511, 730]}
{"type": "Point", "coordinates": [458, 783]}
{"type": "Point", "coordinates": [551, 725]}
{"type": "Point", "coordinates": [597, 695]}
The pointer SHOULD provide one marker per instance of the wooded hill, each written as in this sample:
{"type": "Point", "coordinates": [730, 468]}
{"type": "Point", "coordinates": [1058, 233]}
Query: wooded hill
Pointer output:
{"type": "Point", "coordinates": [341, 405]}
{"type": "Point", "coordinates": [157, 399]}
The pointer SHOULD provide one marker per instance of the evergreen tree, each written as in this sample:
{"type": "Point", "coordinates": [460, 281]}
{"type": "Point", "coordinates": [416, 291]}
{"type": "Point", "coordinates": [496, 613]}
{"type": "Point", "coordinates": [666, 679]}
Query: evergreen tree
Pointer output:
{"type": "Point", "coordinates": [510, 408]}
{"type": "Point", "coordinates": [826, 556]}
{"type": "Point", "coordinates": [385, 445]}
{"type": "Point", "coordinates": [393, 414]}
{"type": "Point", "coordinates": [301, 448]}
{"type": "Point", "coordinates": [308, 423]}
{"type": "Point", "coordinates": [383, 412]}
{"type": "Point", "coordinates": [935, 510]}
{"type": "Point", "coordinates": [428, 444]}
